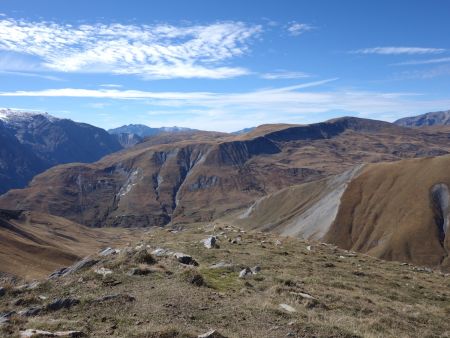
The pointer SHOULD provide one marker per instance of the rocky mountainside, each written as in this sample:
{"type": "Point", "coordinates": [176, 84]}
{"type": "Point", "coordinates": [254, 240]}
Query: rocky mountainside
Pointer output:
{"type": "Point", "coordinates": [209, 175]}
{"type": "Point", "coordinates": [33, 142]}
{"type": "Point", "coordinates": [368, 209]}
{"type": "Point", "coordinates": [439, 118]}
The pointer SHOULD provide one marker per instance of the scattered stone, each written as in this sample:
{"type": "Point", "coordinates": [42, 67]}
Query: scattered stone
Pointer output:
{"type": "Point", "coordinates": [109, 251]}
{"type": "Point", "coordinates": [103, 271]}
{"type": "Point", "coordinates": [329, 265]}
{"type": "Point", "coordinates": [40, 333]}
{"type": "Point", "coordinates": [236, 240]}
{"type": "Point", "coordinates": [278, 242]}
{"type": "Point", "coordinates": [160, 252]}
{"type": "Point", "coordinates": [302, 295]}
{"type": "Point", "coordinates": [309, 248]}
{"type": "Point", "coordinates": [32, 311]}
{"type": "Point", "coordinates": [359, 273]}
{"type": "Point", "coordinates": [119, 296]}
{"type": "Point", "coordinates": [245, 273]}
{"type": "Point", "coordinates": [5, 316]}
{"type": "Point", "coordinates": [222, 265]}
{"type": "Point", "coordinates": [255, 269]}
{"type": "Point", "coordinates": [211, 334]}
{"type": "Point", "coordinates": [185, 259]}
{"type": "Point", "coordinates": [425, 270]}
{"type": "Point", "coordinates": [287, 308]}
{"type": "Point", "coordinates": [62, 303]}
{"type": "Point", "coordinates": [83, 264]}
{"type": "Point", "coordinates": [210, 242]}
{"type": "Point", "coordinates": [29, 286]}
{"type": "Point", "coordinates": [138, 272]}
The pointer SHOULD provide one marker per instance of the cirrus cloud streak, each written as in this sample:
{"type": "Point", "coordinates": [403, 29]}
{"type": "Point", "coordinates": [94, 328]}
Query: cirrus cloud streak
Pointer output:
{"type": "Point", "coordinates": [150, 51]}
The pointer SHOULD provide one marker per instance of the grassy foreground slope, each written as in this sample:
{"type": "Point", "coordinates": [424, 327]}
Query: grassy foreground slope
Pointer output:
{"type": "Point", "coordinates": [325, 291]}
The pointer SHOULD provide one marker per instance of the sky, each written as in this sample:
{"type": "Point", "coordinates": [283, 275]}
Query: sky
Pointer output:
{"type": "Point", "coordinates": [224, 65]}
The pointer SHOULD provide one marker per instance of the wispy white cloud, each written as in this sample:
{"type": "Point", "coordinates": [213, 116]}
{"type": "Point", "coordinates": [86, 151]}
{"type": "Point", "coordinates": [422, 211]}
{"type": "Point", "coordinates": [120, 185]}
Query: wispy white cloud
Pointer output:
{"type": "Point", "coordinates": [296, 28]}
{"type": "Point", "coordinates": [37, 75]}
{"type": "Point", "coordinates": [111, 85]}
{"type": "Point", "coordinates": [442, 70]}
{"type": "Point", "coordinates": [282, 74]}
{"type": "Point", "coordinates": [423, 62]}
{"type": "Point", "coordinates": [157, 51]}
{"type": "Point", "coordinates": [399, 50]}
{"type": "Point", "coordinates": [230, 111]}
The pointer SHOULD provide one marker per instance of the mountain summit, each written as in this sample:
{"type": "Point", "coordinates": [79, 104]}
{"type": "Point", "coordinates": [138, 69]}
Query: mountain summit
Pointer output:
{"type": "Point", "coordinates": [33, 142]}
{"type": "Point", "coordinates": [439, 118]}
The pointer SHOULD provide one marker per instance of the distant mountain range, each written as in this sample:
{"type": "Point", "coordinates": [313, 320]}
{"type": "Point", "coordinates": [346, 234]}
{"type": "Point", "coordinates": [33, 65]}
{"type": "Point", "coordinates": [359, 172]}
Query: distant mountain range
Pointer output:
{"type": "Point", "coordinates": [440, 118]}
{"type": "Point", "coordinates": [346, 181]}
{"type": "Point", "coordinates": [131, 134]}
{"type": "Point", "coordinates": [33, 142]}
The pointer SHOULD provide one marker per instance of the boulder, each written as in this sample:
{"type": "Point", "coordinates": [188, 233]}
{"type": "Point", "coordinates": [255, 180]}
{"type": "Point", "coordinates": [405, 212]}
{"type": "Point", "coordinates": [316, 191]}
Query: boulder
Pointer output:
{"type": "Point", "coordinates": [103, 271]}
{"type": "Point", "coordinates": [62, 303]}
{"type": "Point", "coordinates": [255, 269]}
{"type": "Point", "coordinates": [108, 251]}
{"type": "Point", "coordinates": [30, 312]}
{"type": "Point", "coordinates": [185, 259]}
{"type": "Point", "coordinates": [85, 263]}
{"type": "Point", "coordinates": [5, 316]}
{"type": "Point", "coordinates": [245, 273]}
{"type": "Point", "coordinates": [210, 242]}
{"type": "Point", "coordinates": [2, 291]}
{"type": "Point", "coordinates": [40, 333]}
{"type": "Point", "coordinates": [160, 252]}
{"type": "Point", "coordinates": [211, 334]}
{"type": "Point", "coordinates": [118, 296]}
{"type": "Point", "coordinates": [138, 272]}
{"type": "Point", "coordinates": [287, 308]}
{"type": "Point", "coordinates": [222, 265]}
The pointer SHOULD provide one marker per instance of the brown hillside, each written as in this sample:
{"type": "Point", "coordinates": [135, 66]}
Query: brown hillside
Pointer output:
{"type": "Point", "coordinates": [33, 244]}
{"type": "Point", "coordinates": [391, 211]}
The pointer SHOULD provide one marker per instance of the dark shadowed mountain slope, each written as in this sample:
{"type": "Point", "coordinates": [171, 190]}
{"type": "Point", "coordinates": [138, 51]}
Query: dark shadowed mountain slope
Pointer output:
{"type": "Point", "coordinates": [439, 118]}
{"type": "Point", "coordinates": [209, 175]}
{"type": "Point", "coordinates": [33, 142]}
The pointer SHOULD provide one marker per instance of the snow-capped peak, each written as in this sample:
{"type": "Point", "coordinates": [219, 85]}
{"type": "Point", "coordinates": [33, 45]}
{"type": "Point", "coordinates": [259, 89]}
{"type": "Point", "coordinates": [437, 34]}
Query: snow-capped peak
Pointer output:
{"type": "Point", "coordinates": [11, 115]}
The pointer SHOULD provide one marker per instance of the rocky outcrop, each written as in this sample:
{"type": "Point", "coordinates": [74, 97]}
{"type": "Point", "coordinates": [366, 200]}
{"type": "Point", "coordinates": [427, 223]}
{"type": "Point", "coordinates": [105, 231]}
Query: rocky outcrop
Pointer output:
{"type": "Point", "coordinates": [440, 118]}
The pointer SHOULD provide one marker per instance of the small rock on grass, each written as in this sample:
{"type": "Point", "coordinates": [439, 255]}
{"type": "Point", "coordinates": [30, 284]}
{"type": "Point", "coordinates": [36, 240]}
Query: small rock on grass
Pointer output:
{"type": "Point", "coordinates": [62, 303]}
{"type": "Point", "coordinates": [41, 333]}
{"type": "Point", "coordinates": [245, 273]}
{"type": "Point", "coordinates": [287, 308]}
{"type": "Point", "coordinates": [210, 242]}
{"type": "Point", "coordinates": [211, 334]}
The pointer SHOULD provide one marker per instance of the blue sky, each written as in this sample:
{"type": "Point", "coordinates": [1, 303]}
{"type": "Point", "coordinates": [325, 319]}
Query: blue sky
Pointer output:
{"type": "Point", "coordinates": [224, 65]}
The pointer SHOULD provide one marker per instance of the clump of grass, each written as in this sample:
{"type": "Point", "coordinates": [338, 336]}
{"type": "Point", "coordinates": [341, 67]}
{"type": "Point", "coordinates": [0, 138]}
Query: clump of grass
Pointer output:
{"type": "Point", "coordinates": [193, 277]}
{"type": "Point", "coordinates": [221, 279]}
{"type": "Point", "coordinates": [165, 333]}
{"type": "Point", "coordinates": [143, 257]}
